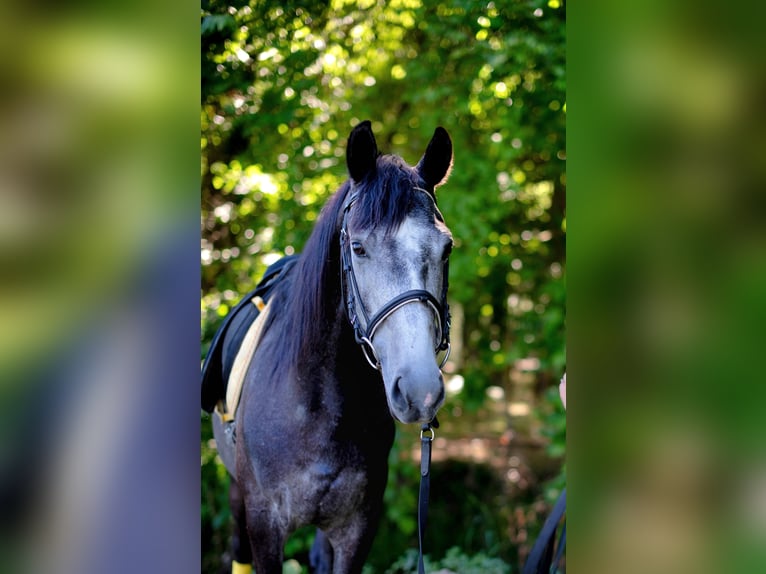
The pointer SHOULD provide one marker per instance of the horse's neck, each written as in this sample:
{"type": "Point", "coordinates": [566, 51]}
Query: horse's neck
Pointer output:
{"type": "Point", "coordinates": [339, 354]}
{"type": "Point", "coordinates": [337, 374]}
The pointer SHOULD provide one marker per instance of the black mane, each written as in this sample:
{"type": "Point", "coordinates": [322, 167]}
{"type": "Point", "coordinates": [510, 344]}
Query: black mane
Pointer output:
{"type": "Point", "coordinates": [387, 196]}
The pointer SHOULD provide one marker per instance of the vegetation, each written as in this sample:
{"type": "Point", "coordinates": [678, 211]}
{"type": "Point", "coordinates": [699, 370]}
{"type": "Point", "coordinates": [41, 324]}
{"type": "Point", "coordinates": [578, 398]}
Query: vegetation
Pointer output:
{"type": "Point", "coordinates": [453, 561]}
{"type": "Point", "coordinates": [282, 85]}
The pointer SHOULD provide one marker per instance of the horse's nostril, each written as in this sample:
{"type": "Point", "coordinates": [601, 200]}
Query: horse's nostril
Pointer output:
{"type": "Point", "coordinates": [396, 391]}
{"type": "Point", "coordinates": [440, 400]}
{"type": "Point", "coordinates": [397, 397]}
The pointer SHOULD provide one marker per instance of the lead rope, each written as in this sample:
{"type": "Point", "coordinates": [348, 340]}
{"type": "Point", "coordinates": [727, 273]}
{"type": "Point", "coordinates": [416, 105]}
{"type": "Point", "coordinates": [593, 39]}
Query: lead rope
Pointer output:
{"type": "Point", "coordinates": [426, 438]}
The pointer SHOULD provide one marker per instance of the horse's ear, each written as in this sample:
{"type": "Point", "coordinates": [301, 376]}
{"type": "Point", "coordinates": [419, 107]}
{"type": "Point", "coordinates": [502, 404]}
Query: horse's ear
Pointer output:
{"type": "Point", "coordinates": [361, 151]}
{"type": "Point", "coordinates": [436, 164]}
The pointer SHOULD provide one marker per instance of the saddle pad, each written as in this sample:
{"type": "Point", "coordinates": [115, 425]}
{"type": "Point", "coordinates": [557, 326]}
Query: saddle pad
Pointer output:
{"type": "Point", "coordinates": [221, 355]}
{"type": "Point", "coordinates": [242, 359]}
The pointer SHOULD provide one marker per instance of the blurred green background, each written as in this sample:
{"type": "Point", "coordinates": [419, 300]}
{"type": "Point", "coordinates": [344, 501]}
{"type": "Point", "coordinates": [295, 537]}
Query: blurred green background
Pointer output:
{"type": "Point", "coordinates": [282, 86]}
{"type": "Point", "coordinates": [666, 308]}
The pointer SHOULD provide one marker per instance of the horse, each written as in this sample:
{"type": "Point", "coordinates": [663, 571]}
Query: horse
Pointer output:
{"type": "Point", "coordinates": [352, 341]}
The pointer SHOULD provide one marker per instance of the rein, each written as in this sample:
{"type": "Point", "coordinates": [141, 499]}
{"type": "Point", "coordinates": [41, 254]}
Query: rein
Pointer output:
{"type": "Point", "coordinates": [427, 435]}
{"type": "Point", "coordinates": [350, 290]}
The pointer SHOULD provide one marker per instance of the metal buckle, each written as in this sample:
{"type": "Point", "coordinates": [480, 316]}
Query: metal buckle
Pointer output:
{"type": "Point", "coordinates": [368, 343]}
{"type": "Point", "coordinates": [446, 356]}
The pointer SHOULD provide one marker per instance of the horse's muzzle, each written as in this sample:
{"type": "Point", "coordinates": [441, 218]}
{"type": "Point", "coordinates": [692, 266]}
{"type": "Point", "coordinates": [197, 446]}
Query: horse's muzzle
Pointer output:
{"type": "Point", "coordinates": [415, 400]}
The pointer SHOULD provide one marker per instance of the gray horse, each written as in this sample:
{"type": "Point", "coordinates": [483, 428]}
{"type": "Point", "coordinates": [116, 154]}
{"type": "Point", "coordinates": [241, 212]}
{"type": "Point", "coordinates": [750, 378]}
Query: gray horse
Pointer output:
{"type": "Point", "coordinates": [350, 340]}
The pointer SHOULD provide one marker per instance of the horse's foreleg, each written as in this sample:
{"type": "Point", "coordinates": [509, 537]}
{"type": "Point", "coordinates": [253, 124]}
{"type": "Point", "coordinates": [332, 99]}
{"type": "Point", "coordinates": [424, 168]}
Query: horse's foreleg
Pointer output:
{"type": "Point", "coordinates": [242, 556]}
{"type": "Point", "coordinates": [352, 544]}
{"type": "Point", "coordinates": [320, 557]}
{"type": "Point", "coordinates": [267, 540]}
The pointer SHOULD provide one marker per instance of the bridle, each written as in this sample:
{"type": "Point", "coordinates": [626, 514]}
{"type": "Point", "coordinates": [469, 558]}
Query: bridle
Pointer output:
{"type": "Point", "coordinates": [350, 291]}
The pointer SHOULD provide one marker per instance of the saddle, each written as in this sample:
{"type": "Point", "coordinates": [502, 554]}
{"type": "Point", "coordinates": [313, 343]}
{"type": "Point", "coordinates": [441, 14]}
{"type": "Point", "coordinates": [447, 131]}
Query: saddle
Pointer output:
{"type": "Point", "coordinates": [239, 331]}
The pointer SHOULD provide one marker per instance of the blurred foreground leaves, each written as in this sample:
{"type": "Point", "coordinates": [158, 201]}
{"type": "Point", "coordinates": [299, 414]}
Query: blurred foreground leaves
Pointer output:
{"type": "Point", "coordinates": [98, 251]}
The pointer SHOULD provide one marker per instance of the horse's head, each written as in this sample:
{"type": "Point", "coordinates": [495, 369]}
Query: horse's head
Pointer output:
{"type": "Point", "coordinates": [395, 248]}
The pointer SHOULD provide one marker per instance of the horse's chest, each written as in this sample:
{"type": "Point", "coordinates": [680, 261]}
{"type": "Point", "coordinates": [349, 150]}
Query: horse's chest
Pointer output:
{"type": "Point", "coordinates": [321, 492]}
{"type": "Point", "coordinates": [340, 492]}
{"type": "Point", "coordinates": [320, 473]}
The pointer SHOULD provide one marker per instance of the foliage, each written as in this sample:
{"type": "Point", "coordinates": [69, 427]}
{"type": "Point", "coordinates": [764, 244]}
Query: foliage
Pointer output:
{"type": "Point", "coordinates": [461, 493]}
{"type": "Point", "coordinates": [553, 418]}
{"type": "Point", "coordinates": [454, 562]}
{"type": "Point", "coordinates": [283, 84]}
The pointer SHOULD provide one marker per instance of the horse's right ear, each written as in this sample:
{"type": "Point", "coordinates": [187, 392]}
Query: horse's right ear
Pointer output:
{"type": "Point", "coordinates": [435, 165]}
{"type": "Point", "coordinates": [361, 151]}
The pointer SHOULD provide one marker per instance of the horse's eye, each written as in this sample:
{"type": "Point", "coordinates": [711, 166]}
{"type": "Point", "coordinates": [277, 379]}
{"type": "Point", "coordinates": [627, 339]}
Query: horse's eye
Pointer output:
{"type": "Point", "coordinates": [358, 249]}
{"type": "Point", "coordinates": [447, 251]}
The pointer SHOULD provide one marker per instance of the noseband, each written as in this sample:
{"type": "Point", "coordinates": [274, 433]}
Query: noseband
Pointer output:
{"type": "Point", "coordinates": [350, 290]}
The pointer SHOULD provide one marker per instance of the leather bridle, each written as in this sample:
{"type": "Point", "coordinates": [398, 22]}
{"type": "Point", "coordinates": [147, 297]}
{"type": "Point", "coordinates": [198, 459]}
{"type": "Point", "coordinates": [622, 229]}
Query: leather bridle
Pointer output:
{"type": "Point", "coordinates": [350, 291]}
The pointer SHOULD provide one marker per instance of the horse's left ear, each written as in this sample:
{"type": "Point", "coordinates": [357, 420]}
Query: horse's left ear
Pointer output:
{"type": "Point", "coordinates": [435, 165]}
{"type": "Point", "coordinates": [361, 151]}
